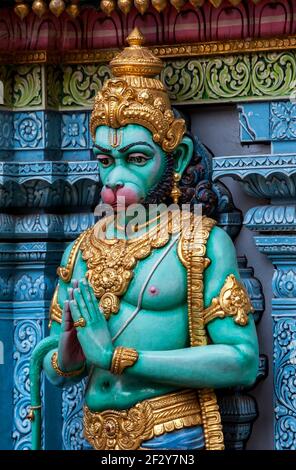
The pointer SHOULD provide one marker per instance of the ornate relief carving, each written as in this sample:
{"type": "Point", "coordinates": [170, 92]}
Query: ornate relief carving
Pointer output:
{"type": "Point", "coordinates": [27, 334]}
{"type": "Point", "coordinates": [75, 131]}
{"type": "Point", "coordinates": [284, 381]}
{"type": "Point", "coordinates": [283, 121]}
{"type": "Point", "coordinates": [27, 86]}
{"type": "Point", "coordinates": [72, 432]}
{"type": "Point", "coordinates": [81, 84]}
{"type": "Point", "coordinates": [28, 130]}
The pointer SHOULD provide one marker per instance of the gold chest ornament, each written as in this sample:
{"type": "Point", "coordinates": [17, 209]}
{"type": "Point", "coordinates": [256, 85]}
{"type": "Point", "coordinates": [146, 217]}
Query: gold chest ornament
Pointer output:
{"type": "Point", "coordinates": [110, 262]}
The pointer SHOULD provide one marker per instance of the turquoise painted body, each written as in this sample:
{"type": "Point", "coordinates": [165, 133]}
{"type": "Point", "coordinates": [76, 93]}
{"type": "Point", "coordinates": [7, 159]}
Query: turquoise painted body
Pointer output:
{"type": "Point", "coordinates": [160, 331]}
{"type": "Point", "coordinates": [160, 334]}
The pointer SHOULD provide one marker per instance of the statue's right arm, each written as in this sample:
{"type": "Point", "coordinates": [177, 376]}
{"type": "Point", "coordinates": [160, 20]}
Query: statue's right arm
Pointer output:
{"type": "Point", "coordinates": [67, 341]}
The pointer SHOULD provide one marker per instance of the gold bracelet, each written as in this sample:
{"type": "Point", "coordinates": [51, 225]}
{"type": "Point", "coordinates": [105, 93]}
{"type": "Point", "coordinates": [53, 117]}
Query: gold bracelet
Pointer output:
{"type": "Point", "coordinates": [73, 373]}
{"type": "Point", "coordinates": [122, 358]}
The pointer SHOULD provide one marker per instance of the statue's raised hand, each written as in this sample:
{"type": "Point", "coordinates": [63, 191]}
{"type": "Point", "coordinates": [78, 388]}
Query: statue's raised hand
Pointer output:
{"type": "Point", "coordinates": [93, 332]}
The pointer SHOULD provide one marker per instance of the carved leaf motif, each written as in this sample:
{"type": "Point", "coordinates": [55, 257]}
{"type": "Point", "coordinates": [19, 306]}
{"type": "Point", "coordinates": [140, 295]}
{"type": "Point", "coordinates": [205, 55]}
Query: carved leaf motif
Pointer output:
{"type": "Point", "coordinates": [81, 84]}
{"type": "Point", "coordinates": [227, 77]}
{"type": "Point", "coordinates": [184, 79]}
{"type": "Point", "coordinates": [27, 86]}
{"type": "Point", "coordinates": [273, 74]}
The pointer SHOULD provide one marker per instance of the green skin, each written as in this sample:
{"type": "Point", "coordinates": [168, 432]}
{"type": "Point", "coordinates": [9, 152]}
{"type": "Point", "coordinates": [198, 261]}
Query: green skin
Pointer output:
{"type": "Point", "coordinates": [160, 331]}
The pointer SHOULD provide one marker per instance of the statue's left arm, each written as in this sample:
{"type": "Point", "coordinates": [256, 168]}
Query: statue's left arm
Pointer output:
{"type": "Point", "coordinates": [232, 357]}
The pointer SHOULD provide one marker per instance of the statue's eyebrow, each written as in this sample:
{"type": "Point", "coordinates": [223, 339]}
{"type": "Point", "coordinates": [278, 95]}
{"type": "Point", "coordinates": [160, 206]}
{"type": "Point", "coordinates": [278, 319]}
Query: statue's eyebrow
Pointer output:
{"type": "Point", "coordinates": [102, 149]}
{"type": "Point", "coordinates": [133, 144]}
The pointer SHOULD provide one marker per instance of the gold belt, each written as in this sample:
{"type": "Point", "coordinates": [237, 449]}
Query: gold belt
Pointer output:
{"type": "Point", "coordinates": [126, 430]}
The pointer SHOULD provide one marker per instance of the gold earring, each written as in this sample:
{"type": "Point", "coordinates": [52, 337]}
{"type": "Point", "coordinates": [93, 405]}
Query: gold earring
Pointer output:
{"type": "Point", "coordinates": [176, 192]}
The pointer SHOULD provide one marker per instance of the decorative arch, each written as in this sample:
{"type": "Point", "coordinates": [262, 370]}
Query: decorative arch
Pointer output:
{"type": "Point", "coordinates": [150, 25]}
{"type": "Point", "coordinates": [45, 34]}
{"type": "Point", "coordinates": [104, 32]}
{"type": "Point", "coordinates": [188, 26]}
{"type": "Point", "coordinates": [273, 18]}
{"type": "Point", "coordinates": [71, 34]}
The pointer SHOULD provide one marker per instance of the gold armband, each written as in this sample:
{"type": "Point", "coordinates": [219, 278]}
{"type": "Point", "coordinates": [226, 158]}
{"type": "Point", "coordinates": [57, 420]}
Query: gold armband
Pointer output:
{"type": "Point", "coordinates": [73, 373]}
{"type": "Point", "coordinates": [122, 358]}
{"type": "Point", "coordinates": [233, 301]}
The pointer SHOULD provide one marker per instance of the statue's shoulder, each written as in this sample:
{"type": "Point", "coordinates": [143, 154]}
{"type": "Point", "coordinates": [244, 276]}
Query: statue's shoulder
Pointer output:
{"type": "Point", "coordinates": [69, 258]}
{"type": "Point", "coordinates": [219, 245]}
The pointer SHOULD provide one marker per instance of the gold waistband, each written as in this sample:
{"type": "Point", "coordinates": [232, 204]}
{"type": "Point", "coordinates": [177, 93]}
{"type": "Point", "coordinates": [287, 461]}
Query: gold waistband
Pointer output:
{"type": "Point", "coordinates": [126, 430]}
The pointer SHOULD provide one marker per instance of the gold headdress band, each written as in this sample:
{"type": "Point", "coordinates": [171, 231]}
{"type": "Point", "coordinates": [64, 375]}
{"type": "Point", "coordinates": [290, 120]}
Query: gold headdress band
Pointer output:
{"type": "Point", "coordinates": [135, 96]}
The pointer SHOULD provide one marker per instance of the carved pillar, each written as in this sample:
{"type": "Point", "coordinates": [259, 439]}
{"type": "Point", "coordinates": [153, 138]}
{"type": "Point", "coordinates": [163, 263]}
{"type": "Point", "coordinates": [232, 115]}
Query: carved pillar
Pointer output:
{"type": "Point", "coordinates": [273, 177]}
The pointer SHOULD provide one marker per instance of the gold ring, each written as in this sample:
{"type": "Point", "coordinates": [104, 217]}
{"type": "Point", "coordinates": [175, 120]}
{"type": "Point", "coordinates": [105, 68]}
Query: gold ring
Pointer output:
{"type": "Point", "coordinates": [81, 322]}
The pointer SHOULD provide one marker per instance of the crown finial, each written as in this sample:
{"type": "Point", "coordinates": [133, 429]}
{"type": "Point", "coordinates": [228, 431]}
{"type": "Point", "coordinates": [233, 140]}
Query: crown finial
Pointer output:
{"type": "Point", "coordinates": [135, 38]}
{"type": "Point", "coordinates": [136, 59]}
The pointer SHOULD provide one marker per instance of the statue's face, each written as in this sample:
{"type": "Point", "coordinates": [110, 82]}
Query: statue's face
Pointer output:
{"type": "Point", "coordinates": [131, 163]}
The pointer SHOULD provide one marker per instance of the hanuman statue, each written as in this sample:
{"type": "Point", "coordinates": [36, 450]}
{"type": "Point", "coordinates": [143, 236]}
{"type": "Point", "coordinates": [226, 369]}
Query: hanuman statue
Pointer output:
{"type": "Point", "coordinates": [156, 319]}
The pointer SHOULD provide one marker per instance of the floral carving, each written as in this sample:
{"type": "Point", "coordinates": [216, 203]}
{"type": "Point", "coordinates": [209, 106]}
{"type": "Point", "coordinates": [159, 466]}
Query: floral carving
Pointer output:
{"type": "Point", "coordinates": [284, 282]}
{"type": "Point", "coordinates": [28, 130]}
{"type": "Point", "coordinates": [283, 121]}
{"type": "Point", "coordinates": [285, 383]}
{"type": "Point", "coordinates": [75, 130]}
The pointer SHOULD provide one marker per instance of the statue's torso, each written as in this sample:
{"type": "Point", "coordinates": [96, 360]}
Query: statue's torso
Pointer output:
{"type": "Point", "coordinates": [161, 324]}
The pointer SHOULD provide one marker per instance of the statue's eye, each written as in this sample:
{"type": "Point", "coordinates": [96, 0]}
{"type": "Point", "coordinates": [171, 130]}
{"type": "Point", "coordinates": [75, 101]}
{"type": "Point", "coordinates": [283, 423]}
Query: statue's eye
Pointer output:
{"type": "Point", "coordinates": [137, 159]}
{"type": "Point", "coordinates": [105, 160]}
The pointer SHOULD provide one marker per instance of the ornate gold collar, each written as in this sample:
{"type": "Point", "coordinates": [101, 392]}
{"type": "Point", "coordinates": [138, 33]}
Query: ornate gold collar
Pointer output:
{"type": "Point", "coordinates": [110, 262]}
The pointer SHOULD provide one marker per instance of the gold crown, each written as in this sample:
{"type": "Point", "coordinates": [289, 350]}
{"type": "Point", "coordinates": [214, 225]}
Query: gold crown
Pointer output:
{"type": "Point", "coordinates": [135, 96]}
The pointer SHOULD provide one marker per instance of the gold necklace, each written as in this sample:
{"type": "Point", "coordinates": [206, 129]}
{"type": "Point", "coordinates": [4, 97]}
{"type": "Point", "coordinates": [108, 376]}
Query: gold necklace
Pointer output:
{"type": "Point", "coordinates": [139, 226]}
{"type": "Point", "coordinates": [110, 262]}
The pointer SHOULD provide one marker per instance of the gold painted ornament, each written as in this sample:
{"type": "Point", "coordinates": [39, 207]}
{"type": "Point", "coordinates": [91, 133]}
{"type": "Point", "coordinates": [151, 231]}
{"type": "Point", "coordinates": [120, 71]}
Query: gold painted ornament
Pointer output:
{"type": "Point", "coordinates": [178, 4]}
{"type": "Point", "coordinates": [108, 6]}
{"type": "Point", "coordinates": [57, 7]}
{"type": "Point", "coordinates": [197, 3]}
{"type": "Point", "coordinates": [21, 9]}
{"type": "Point", "coordinates": [73, 10]}
{"type": "Point", "coordinates": [232, 301]}
{"type": "Point", "coordinates": [141, 5]}
{"type": "Point", "coordinates": [159, 5]}
{"type": "Point", "coordinates": [125, 5]}
{"type": "Point", "coordinates": [39, 7]}
{"type": "Point", "coordinates": [176, 191]}
{"type": "Point", "coordinates": [216, 3]}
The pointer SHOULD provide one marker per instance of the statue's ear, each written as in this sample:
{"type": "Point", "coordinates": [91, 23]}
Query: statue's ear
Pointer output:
{"type": "Point", "coordinates": [183, 154]}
